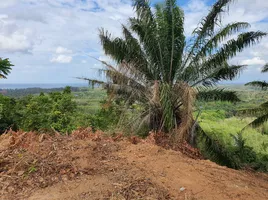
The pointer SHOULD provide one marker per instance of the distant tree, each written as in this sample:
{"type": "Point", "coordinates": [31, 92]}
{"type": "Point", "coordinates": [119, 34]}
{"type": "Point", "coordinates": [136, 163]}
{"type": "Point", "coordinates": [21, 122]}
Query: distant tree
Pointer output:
{"type": "Point", "coordinates": [5, 67]}
{"type": "Point", "coordinates": [7, 113]}
{"type": "Point", "coordinates": [48, 112]}
{"type": "Point", "coordinates": [67, 90]}
{"type": "Point", "coordinates": [163, 71]}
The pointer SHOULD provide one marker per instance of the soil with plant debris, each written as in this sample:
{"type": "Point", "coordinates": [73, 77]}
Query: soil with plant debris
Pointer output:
{"type": "Point", "coordinates": [93, 166]}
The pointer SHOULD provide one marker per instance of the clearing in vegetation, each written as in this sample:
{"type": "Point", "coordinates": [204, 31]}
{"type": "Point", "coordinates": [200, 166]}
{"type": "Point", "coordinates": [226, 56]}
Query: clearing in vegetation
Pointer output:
{"type": "Point", "coordinates": [93, 166]}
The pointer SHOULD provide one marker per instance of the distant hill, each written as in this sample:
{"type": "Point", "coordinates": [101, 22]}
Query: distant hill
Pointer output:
{"type": "Point", "coordinates": [17, 93]}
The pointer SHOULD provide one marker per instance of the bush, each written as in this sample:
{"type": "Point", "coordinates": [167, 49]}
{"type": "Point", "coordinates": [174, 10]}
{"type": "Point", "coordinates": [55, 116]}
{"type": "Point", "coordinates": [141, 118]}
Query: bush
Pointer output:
{"type": "Point", "coordinates": [43, 113]}
{"type": "Point", "coordinates": [107, 117]}
{"type": "Point", "coordinates": [7, 113]}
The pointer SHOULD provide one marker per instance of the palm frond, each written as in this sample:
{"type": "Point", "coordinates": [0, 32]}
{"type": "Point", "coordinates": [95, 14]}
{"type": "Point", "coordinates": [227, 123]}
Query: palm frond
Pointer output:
{"type": "Point", "coordinates": [143, 9]}
{"type": "Point", "coordinates": [217, 95]}
{"type": "Point", "coordinates": [170, 19]}
{"type": "Point", "coordinates": [219, 37]}
{"type": "Point", "coordinates": [207, 26]}
{"type": "Point", "coordinates": [225, 72]}
{"type": "Point", "coordinates": [92, 82]}
{"type": "Point", "coordinates": [5, 67]}
{"type": "Point", "coordinates": [265, 68]}
{"type": "Point", "coordinates": [261, 84]}
{"type": "Point", "coordinates": [258, 111]}
{"type": "Point", "coordinates": [231, 48]}
{"type": "Point", "coordinates": [213, 19]}
{"type": "Point", "coordinates": [259, 121]}
{"type": "Point", "coordinates": [215, 151]}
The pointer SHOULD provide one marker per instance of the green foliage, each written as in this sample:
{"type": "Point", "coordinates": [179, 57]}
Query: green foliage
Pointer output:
{"type": "Point", "coordinates": [19, 93]}
{"type": "Point", "coordinates": [43, 113]}
{"type": "Point", "coordinates": [218, 95]}
{"type": "Point", "coordinates": [222, 144]}
{"type": "Point", "coordinates": [107, 117]}
{"type": "Point", "coordinates": [50, 112]}
{"type": "Point", "coordinates": [212, 115]}
{"type": "Point", "coordinates": [158, 68]}
{"type": "Point", "coordinates": [36, 114]}
{"type": "Point", "coordinates": [262, 111]}
{"type": "Point", "coordinates": [7, 113]}
{"type": "Point", "coordinates": [5, 67]}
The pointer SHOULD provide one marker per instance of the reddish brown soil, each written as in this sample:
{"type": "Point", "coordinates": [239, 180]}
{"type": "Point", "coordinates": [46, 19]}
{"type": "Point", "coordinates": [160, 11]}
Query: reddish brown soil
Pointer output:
{"type": "Point", "coordinates": [87, 166]}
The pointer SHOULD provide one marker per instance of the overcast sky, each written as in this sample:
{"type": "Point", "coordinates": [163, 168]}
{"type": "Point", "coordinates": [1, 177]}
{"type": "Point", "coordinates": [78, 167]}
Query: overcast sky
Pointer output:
{"type": "Point", "coordinates": [51, 41]}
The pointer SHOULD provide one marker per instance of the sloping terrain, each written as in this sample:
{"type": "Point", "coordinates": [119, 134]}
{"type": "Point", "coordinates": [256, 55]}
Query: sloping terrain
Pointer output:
{"type": "Point", "coordinates": [92, 166]}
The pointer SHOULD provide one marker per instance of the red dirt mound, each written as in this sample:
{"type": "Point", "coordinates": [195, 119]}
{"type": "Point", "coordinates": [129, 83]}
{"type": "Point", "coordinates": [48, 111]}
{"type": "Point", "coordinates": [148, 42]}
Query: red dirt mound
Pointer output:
{"type": "Point", "coordinates": [92, 166]}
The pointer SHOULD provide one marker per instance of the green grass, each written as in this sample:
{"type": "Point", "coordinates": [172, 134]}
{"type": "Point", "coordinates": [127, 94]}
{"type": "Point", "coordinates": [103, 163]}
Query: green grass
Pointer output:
{"type": "Point", "coordinates": [219, 119]}
{"type": "Point", "coordinates": [88, 100]}
{"type": "Point", "coordinates": [224, 129]}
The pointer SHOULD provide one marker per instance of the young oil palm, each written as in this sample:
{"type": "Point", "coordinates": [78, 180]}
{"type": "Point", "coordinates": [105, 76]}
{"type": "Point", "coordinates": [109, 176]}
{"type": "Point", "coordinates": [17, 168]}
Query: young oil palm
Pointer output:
{"type": "Point", "coordinates": [5, 67]}
{"type": "Point", "coordinates": [162, 70]}
{"type": "Point", "coordinates": [262, 111]}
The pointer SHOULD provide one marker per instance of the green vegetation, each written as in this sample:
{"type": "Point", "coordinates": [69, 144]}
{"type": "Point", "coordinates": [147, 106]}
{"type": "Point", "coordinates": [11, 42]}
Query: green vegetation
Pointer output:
{"type": "Point", "coordinates": [223, 123]}
{"type": "Point", "coordinates": [17, 93]}
{"type": "Point", "coordinates": [262, 111]}
{"type": "Point", "coordinates": [43, 113]}
{"type": "Point", "coordinates": [163, 72]}
{"type": "Point", "coordinates": [5, 67]}
{"type": "Point", "coordinates": [56, 111]}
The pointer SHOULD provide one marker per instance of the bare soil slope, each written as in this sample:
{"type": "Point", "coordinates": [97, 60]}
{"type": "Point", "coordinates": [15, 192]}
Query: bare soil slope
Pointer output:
{"type": "Point", "coordinates": [87, 166]}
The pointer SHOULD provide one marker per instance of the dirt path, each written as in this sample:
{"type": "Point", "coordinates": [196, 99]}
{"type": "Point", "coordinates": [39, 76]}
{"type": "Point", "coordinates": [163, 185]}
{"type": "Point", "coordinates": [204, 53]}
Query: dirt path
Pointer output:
{"type": "Point", "coordinates": [45, 168]}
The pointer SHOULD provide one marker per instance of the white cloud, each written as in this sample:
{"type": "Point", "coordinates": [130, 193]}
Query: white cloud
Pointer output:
{"type": "Point", "coordinates": [84, 61]}
{"type": "Point", "coordinates": [195, 10]}
{"type": "Point", "coordinates": [14, 38]}
{"type": "Point", "coordinates": [7, 3]}
{"type": "Point", "coordinates": [67, 27]}
{"type": "Point", "coordinates": [62, 59]}
{"type": "Point", "coordinates": [62, 50]}
{"type": "Point", "coordinates": [254, 61]}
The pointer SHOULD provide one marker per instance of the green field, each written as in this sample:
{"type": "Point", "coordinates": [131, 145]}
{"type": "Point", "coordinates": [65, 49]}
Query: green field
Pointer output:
{"type": "Point", "coordinates": [222, 121]}
{"type": "Point", "coordinates": [88, 100]}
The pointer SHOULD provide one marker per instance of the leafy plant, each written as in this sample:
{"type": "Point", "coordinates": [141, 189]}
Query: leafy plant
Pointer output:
{"type": "Point", "coordinates": [7, 113]}
{"type": "Point", "coordinates": [43, 113]}
{"type": "Point", "coordinates": [108, 116]}
{"type": "Point", "coordinates": [5, 67]}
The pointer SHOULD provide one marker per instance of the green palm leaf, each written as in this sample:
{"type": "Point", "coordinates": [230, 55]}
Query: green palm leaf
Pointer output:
{"type": "Point", "coordinates": [5, 67]}
{"type": "Point", "coordinates": [259, 121]}
{"type": "Point", "coordinates": [261, 84]}
{"type": "Point", "coordinates": [265, 68]}
{"type": "Point", "coordinates": [217, 95]}
{"type": "Point", "coordinates": [262, 111]}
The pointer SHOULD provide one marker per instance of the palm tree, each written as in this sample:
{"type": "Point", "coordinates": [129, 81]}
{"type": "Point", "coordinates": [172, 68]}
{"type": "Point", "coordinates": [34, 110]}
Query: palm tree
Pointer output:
{"type": "Point", "coordinates": [5, 67]}
{"type": "Point", "coordinates": [162, 70]}
{"type": "Point", "coordinates": [261, 111]}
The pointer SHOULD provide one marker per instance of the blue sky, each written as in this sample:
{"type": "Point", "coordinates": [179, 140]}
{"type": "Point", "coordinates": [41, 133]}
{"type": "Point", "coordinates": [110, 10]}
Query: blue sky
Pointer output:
{"type": "Point", "coordinates": [51, 41]}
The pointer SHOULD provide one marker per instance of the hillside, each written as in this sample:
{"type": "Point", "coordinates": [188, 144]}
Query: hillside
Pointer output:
{"type": "Point", "coordinates": [92, 166]}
